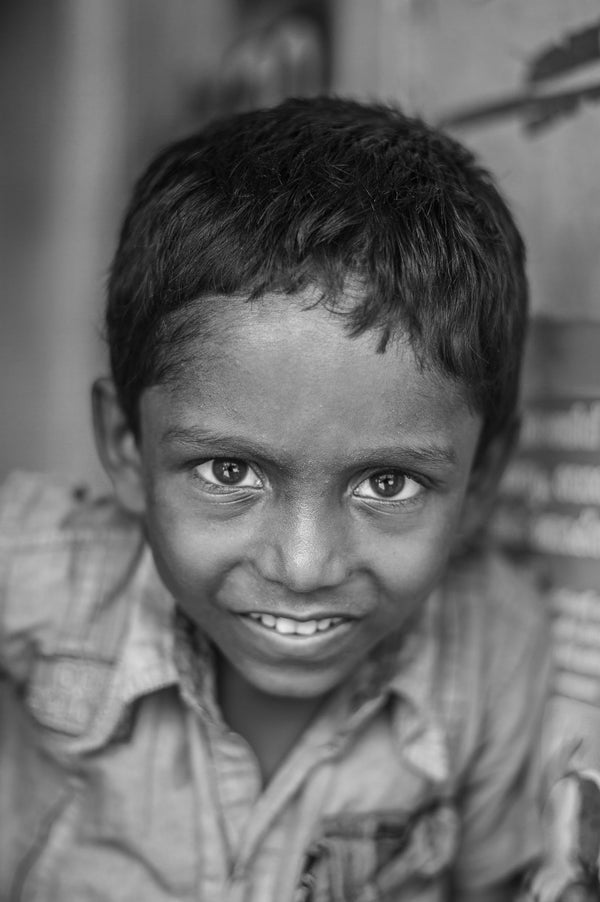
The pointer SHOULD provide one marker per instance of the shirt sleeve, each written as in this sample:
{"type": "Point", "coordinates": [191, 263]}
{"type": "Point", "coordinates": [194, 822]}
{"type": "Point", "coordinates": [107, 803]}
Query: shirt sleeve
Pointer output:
{"type": "Point", "coordinates": [17, 498]}
{"type": "Point", "coordinates": [34, 556]}
{"type": "Point", "coordinates": [500, 792]}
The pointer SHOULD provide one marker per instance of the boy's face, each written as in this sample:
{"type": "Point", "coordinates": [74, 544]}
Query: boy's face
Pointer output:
{"type": "Point", "coordinates": [302, 492]}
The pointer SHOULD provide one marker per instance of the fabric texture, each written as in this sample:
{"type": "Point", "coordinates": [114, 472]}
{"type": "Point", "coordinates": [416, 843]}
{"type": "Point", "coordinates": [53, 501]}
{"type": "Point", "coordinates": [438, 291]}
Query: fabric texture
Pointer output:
{"type": "Point", "coordinates": [119, 779]}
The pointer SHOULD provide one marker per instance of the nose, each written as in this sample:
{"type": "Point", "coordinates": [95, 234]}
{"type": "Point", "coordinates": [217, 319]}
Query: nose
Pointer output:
{"type": "Point", "coordinates": [304, 549]}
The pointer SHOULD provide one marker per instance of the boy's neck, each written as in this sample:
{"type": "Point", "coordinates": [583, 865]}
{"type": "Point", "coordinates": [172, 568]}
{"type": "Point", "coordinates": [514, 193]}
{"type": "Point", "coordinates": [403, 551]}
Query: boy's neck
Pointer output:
{"type": "Point", "coordinates": [271, 725]}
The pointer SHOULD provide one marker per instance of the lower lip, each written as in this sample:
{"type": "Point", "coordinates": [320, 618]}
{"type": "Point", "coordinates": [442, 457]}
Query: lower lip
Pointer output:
{"type": "Point", "coordinates": [295, 645]}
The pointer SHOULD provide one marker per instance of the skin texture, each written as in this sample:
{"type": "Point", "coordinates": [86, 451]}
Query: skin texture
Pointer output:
{"type": "Point", "coordinates": [309, 415]}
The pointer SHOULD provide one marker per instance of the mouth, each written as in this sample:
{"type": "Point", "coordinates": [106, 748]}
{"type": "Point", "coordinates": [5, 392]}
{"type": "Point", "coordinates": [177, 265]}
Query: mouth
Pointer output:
{"type": "Point", "coordinates": [289, 626]}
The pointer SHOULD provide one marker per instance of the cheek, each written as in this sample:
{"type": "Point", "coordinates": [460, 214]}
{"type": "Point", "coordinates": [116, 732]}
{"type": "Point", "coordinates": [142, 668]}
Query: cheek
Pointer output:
{"type": "Point", "coordinates": [194, 555]}
{"type": "Point", "coordinates": [184, 556]}
{"type": "Point", "coordinates": [411, 565]}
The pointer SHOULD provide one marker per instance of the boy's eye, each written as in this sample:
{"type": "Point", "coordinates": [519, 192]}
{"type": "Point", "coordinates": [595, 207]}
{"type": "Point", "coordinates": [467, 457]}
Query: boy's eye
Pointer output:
{"type": "Point", "coordinates": [225, 471]}
{"type": "Point", "coordinates": [388, 485]}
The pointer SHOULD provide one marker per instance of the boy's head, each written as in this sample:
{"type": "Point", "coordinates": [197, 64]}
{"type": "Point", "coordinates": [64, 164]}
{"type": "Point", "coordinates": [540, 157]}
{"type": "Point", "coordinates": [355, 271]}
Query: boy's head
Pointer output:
{"type": "Point", "coordinates": [325, 192]}
{"type": "Point", "coordinates": [315, 319]}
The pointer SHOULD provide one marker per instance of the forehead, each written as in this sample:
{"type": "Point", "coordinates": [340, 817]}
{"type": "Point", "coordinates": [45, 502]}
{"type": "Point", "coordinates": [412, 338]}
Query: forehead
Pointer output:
{"type": "Point", "coordinates": [289, 374]}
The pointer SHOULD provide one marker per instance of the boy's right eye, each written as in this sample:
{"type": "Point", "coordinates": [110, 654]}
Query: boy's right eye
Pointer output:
{"type": "Point", "coordinates": [226, 472]}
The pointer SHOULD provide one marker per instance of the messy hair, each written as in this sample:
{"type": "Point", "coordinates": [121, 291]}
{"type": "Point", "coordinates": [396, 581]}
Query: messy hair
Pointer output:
{"type": "Point", "coordinates": [317, 192]}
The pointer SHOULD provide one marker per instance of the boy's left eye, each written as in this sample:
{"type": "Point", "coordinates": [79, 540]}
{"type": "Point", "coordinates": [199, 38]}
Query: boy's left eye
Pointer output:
{"type": "Point", "coordinates": [388, 485]}
{"type": "Point", "coordinates": [228, 472]}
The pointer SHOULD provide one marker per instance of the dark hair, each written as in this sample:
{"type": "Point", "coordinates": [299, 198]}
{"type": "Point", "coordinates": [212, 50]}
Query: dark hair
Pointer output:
{"type": "Point", "coordinates": [316, 192]}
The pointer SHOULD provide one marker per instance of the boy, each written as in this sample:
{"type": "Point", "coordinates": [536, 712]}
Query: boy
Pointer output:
{"type": "Point", "coordinates": [278, 666]}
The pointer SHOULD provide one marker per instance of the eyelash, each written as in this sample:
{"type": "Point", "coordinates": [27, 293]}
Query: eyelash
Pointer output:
{"type": "Point", "coordinates": [412, 499]}
{"type": "Point", "coordinates": [219, 488]}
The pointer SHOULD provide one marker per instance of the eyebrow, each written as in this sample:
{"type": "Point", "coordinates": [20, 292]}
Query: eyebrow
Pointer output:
{"type": "Point", "coordinates": [427, 453]}
{"type": "Point", "coordinates": [196, 437]}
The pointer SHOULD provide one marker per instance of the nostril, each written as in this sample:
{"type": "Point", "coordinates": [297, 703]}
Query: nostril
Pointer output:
{"type": "Point", "coordinates": [304, 549]}
{"type": "Point", "coordinates": [301, 570]}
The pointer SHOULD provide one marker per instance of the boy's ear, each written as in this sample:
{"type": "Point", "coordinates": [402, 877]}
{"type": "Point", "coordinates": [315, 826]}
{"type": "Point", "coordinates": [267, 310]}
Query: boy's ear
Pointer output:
{"type": "Point", "coordinates": [484, 480]}
{"type": "Point", "coordinates": [117, 446]}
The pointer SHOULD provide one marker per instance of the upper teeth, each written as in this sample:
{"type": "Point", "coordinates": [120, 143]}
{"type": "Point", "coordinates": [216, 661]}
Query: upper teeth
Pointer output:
{"type": "Point", "coordinates": [285, 626]}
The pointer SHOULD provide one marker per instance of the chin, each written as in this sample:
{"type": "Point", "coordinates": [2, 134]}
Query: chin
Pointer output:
{"type": "Point", "coordinates": [296, 686]}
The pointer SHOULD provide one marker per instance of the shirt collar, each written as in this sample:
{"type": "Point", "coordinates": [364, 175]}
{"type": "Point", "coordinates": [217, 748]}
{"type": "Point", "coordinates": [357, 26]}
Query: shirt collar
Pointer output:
{"type": "Point", "coordinates": [146, 663]}
{"type": "Point", "coordinates": [164, 648]}
{"type": "Point", "coordinates": [424, 737]}
{"type": "Point", "coordinates": [403, 671]}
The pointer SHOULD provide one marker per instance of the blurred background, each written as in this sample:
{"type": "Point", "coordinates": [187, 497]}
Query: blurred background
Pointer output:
{"type": "Point", "coordinates": [90, 89]}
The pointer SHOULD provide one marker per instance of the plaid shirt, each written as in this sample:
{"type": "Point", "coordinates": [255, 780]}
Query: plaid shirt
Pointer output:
{"type": "Point", "coordinates": [120, 781]}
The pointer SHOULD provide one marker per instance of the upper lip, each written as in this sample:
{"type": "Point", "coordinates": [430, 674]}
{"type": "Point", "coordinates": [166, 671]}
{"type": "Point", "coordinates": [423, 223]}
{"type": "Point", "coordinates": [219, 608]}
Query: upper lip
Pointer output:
{"type": "Point", "coordinates": [349, 602]}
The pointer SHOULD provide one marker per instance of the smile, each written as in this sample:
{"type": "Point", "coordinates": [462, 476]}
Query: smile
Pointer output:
{"type": "Point", "coordinates": [286, 626]}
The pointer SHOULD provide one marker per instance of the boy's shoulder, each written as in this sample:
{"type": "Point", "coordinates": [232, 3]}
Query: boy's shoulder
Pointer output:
{"type": "Point", "coordinates": [499, 595]}
{"type": "Point", "coordinates": [35, 507]}
{"type": "Point", "coordinates": [63, 557]}
{"type": "Point", "coordinates": [498, 615]}
{"type": "Point", "coordinates": [493, 648]}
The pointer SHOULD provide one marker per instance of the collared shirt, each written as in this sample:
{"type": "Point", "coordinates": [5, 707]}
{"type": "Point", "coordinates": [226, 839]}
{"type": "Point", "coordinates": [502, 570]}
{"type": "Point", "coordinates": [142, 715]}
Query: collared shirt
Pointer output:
{"type": "Point", "coordinates": [119, 779]}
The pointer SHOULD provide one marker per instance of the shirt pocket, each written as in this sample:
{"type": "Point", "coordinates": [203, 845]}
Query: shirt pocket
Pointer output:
{"type": "Point", "coordinates": [374, 856]}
